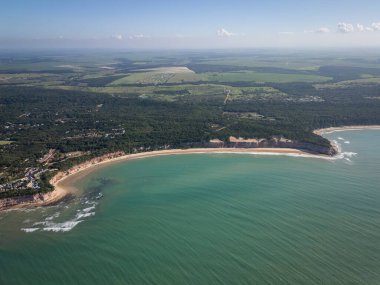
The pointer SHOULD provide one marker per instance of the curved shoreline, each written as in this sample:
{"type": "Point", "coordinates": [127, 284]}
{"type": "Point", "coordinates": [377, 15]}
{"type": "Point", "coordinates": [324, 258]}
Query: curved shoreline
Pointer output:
{"type": "Point", "coordinates": [330, 130]}
{"type": "Point", "coordinates": [62, 181]}
{"type": "Point", "coordinates": [90, 165]}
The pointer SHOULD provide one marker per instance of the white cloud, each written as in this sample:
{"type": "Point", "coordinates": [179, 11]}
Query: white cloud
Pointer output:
{"type": "Point", "coordinates": [286, 33]}
{"type": "Point", "coordinates": [360, 27]}
{"type": "Point", "coordinates": [376, 26]}
{"type": "Point", "coordinates": [138, 36]}
{"type": "Point", "coordinates": [349, 28]}
{"type": "Point", "coordinates": [345, 28]}
{"type": "Point", "coordinates": [225, 34]}
{"type": "Point", "coordinates": [323, 30]}
{"type": "Point", "coordinates": [117, 37]}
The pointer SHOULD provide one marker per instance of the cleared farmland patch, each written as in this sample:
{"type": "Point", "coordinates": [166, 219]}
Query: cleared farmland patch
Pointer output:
{"type": "Point", "coordinates": [158, 76]}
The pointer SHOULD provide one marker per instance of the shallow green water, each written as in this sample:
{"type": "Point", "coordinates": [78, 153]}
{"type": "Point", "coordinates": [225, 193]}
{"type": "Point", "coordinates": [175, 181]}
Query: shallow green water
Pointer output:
{"type": "Point", "coordinates": [208, 219]}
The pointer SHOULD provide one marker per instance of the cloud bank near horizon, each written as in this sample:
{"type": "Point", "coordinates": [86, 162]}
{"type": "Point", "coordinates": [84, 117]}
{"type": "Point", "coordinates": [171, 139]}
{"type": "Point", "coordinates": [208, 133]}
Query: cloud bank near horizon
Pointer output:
{"type": "Point", "coordinates": [324, 36]}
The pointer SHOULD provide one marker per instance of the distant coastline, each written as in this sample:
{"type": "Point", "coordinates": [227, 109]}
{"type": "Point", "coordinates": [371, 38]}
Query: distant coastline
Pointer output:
{"type": "Point", "coordinates": [63, 180]}
{"type": "Point", "coordinates": [330, 130]}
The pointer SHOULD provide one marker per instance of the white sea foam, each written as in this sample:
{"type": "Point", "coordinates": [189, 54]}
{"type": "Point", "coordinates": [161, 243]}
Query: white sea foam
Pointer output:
{"type": "Point", "coordinates": [89, 209]}
{"type": "Point", "coordinates": [48, 224]}
{"type": "Point", "coordinates": [85, 215]}
{"type": "Point", "coordinates": [70, 224]}
{"type": "Point", "coordinates": [348, 161]}
{"type": "Point", "coordinates": [350, 154]}
{"type": "Point", "coordinates": [275, 154]}
{"type": "Point", "coordinates": [61, 227]}
{"type": "Point", "coordinates": [56, 215]}
{"type": "Point", "coordinates": [337, 145]}
{"type": "Point", "coordinates": [39, 223]}
{"type": "Point", "coordinates": [29, 230]}
{"type": "Point", "coordinates": [345, 155]}
{"type": "Point", "coordinates": [340, 138]}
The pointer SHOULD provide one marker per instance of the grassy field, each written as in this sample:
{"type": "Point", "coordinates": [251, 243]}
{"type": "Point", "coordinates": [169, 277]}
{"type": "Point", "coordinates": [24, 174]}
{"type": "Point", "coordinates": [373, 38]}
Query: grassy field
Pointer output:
{"type": "Point", "coordinates": [5, 142]}
{"type": "Point", "coordinates": [349, 83]}
{"type": "Point", "coordinates": [119, 74]}
{"type": "Point", "coordinates": [160, 76]}
{"type": "Point", "coordinates": [175, 92]}
{"type": "Point", "coordinates": [295, 61]}
{"type": "Point", "coordinates": [265, 77]}
{"type": "Point", "coordinates": [201, 90]}
{"type": "Point", "coordinates": [282, 62]}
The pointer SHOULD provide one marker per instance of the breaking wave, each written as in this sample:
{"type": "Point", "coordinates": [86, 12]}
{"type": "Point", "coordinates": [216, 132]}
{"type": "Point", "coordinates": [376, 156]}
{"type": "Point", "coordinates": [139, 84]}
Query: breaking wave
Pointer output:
{"type": "Point", "coordinates": [61, 227]}
{"type": "Point", "coordinates": [29, 230]}
{"type": "Point", "coordinates": [345, 155]}
{"type": "Point", "coordinates": [50, 223]}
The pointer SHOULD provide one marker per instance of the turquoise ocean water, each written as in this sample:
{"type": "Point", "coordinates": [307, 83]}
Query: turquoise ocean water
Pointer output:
{"type": "Point", "coordinates": [208, 219]}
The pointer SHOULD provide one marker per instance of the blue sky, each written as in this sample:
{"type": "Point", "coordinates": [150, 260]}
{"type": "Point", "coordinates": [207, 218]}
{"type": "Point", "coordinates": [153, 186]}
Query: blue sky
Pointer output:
{"type": "Point", "coordinates": [193, 24]}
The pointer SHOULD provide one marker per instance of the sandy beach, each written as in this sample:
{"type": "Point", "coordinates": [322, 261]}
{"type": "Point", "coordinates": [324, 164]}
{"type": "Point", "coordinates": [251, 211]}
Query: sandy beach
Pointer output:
{"type": "Point", "coordinates": [321, 132]}
{"type": "Point", "coordinates": [63, 181]}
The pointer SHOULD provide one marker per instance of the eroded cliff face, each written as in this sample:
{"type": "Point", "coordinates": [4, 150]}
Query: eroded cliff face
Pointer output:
{"type": "Point", "coordinates": [75, 169]}
{"type": "Point", "coordinates": [275, 142]}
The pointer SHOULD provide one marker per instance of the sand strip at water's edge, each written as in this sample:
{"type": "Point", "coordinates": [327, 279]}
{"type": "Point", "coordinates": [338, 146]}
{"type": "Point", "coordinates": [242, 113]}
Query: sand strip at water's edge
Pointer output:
{"type": "Point", "coordinates": [321, 132]}
{"type": "Point", "coordinates": [86, 168]}
{"type": "Point", "coordinates": [63, 181]}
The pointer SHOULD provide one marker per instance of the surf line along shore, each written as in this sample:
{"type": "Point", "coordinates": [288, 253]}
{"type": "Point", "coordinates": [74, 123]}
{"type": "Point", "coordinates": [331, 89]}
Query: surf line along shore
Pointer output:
{"type": "Point", "coordinates": [321, 132]}
{"type": "Point", "coordinates": [63, 180]}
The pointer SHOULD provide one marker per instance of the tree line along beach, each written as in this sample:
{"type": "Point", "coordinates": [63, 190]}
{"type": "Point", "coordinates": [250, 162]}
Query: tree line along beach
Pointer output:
{"type": "Point", "coordinates": [62, 181]}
